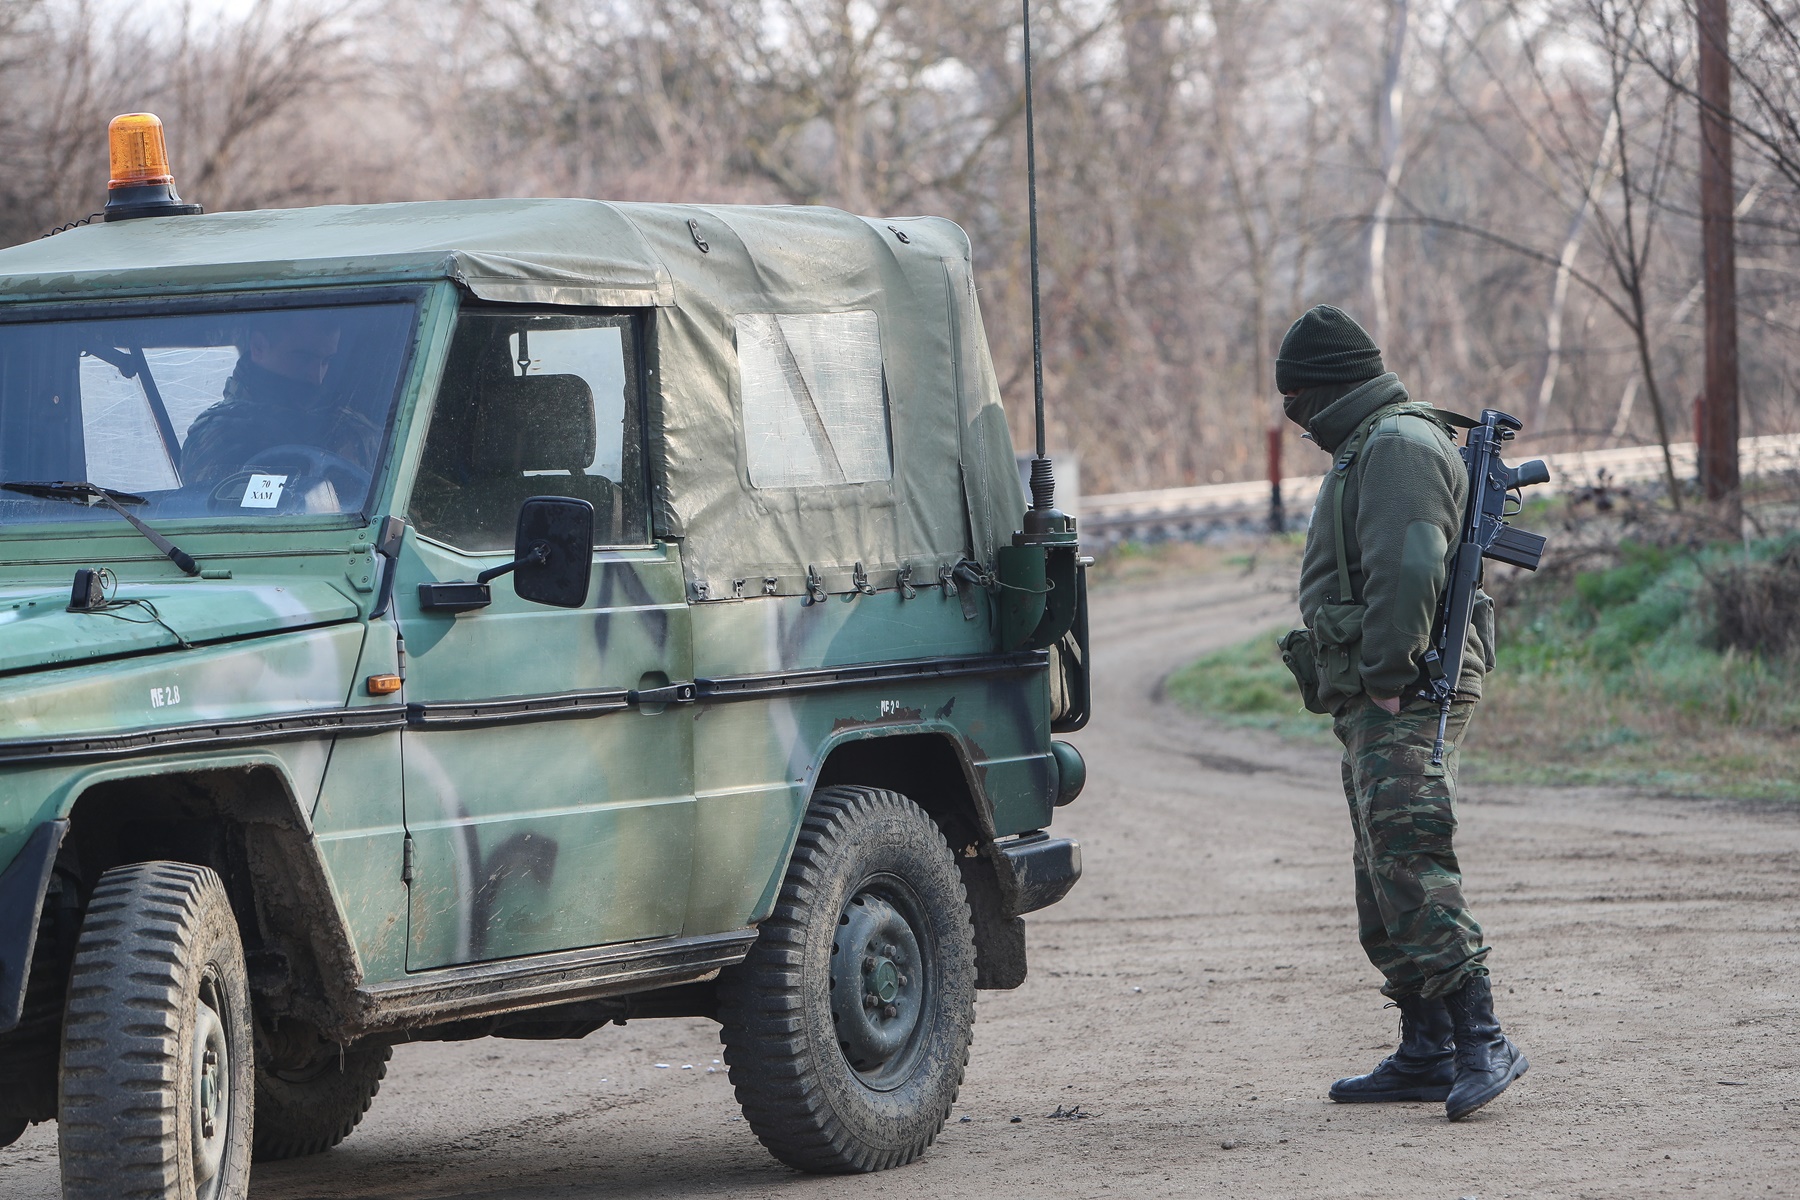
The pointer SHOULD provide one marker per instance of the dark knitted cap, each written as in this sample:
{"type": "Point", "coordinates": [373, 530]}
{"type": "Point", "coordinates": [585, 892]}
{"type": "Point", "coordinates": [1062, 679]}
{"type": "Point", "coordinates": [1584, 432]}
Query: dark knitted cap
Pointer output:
{"type": "Point", "coordinates": [1325, 346]}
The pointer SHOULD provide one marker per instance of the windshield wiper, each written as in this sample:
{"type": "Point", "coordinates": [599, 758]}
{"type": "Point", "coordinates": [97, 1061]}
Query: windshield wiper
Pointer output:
{"type": "Point", "coordinates": [90, 494]}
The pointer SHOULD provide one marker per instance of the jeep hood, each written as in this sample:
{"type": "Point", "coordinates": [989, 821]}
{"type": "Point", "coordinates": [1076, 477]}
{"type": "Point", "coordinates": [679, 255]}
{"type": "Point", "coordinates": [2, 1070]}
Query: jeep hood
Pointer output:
{"type": "Point", "coordinates": [38, 632]}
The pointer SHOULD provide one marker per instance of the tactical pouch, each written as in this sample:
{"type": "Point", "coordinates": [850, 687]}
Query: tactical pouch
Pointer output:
{"type": "Point", "coordinates": [1337, 650]}
{"type": "Point", "coordinates": [1297, 653]}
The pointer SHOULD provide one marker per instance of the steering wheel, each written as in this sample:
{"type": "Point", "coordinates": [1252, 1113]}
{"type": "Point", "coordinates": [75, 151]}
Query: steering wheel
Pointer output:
{"type": "Point", "coordinates": [308, 470]}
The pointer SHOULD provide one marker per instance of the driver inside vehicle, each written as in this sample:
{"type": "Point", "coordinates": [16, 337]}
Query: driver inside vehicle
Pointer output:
{"type": "Point", "coordinates": [283, 397]}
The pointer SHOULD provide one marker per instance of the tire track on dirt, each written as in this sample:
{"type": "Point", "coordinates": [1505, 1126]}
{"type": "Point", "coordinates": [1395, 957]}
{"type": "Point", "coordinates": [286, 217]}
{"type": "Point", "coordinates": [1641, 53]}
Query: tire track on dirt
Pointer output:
{"type": "Point", "coordinates": [1199, 990]}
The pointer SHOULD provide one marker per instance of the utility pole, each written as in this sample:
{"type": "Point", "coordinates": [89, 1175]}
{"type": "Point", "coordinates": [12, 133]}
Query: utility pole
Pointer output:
{"type": "Point", "coordinates": [1718, 431]}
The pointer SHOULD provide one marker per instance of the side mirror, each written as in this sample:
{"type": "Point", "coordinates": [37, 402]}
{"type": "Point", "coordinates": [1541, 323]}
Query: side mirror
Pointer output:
{"type": "Point", "coordinates": [553, 552]}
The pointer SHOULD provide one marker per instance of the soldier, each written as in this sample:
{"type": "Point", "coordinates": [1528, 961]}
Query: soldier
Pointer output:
{"type": "Point", "coordinates": [1377, 554]}
{"type": "Point", "coordinates": [279, 395]}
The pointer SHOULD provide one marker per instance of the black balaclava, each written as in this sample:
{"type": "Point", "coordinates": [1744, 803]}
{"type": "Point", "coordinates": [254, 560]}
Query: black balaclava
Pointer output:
{"type": "Point", "coordinates": [1308, 403]}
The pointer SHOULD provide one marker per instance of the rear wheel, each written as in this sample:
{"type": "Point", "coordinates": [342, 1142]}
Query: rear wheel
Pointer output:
{"type": "Point", "coordinates": [310, 1095]}
{"type": "Point", "coordinates": [848, 1026]}
{"type": "Point", "coordinates": [12, 1129]}
{"type": "Point", "coordinates": [156, 1058]}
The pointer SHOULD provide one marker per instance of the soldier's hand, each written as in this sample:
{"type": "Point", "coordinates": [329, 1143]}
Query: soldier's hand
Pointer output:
{"type": "Point", "coordinates": [1390, 706]}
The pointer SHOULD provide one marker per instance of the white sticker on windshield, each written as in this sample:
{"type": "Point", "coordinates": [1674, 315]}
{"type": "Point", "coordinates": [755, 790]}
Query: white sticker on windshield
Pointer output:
{"type": "Point", "coordinates": [263, 491]}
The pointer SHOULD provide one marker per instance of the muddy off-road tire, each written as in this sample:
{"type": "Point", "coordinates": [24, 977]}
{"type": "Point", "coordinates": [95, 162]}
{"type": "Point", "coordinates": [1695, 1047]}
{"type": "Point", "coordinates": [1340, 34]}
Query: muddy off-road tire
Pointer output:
{"type": "Point", "coordinates": [847, 1028]}
{"type": "Point", "coordinates": [310, 1109]}
{"type": "Point", "coordinates": [157, 1071]}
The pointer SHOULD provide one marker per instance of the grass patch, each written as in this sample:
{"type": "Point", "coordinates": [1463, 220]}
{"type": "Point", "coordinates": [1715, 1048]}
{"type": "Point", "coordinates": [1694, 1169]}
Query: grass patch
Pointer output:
{"type": "Point", "coordinates": [1667, 668]}
{"type": "Point", "coordinates": [1663, 665]}
{"type": "Point", "coordinates": [1247, 686]}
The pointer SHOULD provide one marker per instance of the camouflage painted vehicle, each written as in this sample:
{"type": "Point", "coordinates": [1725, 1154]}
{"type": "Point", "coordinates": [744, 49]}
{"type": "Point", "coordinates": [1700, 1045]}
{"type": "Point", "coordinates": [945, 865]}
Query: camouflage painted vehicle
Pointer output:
{"type": "Point", "coordinates": [503, 618]}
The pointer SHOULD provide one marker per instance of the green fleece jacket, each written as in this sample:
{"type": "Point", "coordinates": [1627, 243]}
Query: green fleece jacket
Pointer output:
{"type": "Point", "coordinates": [1403, 504]}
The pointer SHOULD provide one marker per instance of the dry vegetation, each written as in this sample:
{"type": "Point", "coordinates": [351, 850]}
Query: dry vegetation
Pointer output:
{"type": "Point", "coordinates": [1650, 651]}
{"type": "Point", "coordinates": [1503, 189]}
{"type": "Point", "coordinates": [1646, 652]}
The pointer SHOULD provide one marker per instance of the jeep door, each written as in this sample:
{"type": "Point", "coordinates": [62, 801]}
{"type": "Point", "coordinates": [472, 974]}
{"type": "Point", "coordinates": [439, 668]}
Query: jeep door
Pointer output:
{"type": "Point", "coordinates": [548, 776]}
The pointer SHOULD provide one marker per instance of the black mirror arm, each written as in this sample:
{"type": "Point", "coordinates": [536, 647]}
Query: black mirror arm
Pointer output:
{"type": "Point", "coordinates": [540, 554]}
{"type": "Point", "coordinates": [387, 547]}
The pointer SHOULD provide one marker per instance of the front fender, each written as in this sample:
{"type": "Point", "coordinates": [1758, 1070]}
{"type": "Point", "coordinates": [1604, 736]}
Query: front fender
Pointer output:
{"type": "Point", "coordinates": [266, 794]}
{"type": "Point", "coordinates": [22, 887]}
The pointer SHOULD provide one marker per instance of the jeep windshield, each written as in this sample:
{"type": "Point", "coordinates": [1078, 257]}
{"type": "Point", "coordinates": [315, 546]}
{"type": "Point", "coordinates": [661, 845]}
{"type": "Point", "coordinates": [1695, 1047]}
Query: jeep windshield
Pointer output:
{"type": "Point", "coordinates": [226, 413]}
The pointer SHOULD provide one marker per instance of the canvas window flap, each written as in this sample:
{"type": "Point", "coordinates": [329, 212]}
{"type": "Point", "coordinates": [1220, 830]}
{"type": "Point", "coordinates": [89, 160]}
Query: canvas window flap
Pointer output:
{"type": "Point", "coordinates": [814, 399]}
{"type": "Point", "coordinates": [795, 262]}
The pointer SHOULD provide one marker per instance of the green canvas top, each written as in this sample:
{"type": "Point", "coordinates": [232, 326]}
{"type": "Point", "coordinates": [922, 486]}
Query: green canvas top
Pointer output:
{"type": "Point", "coordinates": [527, 251]}
{"type": "Point", "coordinates": [954, 489]}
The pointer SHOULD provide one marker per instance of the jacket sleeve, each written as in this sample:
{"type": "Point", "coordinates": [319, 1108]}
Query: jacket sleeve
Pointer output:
{"type": "Point", "coordinates": [1408, 511]}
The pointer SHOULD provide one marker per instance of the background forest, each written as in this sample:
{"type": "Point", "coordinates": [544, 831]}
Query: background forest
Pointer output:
{"type": "Point", "coordinates": [1503, 192]}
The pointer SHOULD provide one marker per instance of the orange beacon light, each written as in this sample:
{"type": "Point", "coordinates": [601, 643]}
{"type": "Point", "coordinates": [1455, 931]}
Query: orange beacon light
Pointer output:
{"type": "Point", "coordinates": [141, 185]}
{"type": "Point", "coordinates": [139, 154]}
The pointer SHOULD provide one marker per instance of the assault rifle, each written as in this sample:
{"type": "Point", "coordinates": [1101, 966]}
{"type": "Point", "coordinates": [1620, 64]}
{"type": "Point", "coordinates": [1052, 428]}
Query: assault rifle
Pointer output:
{"type": "Point", "coordinates": [1485, 534]}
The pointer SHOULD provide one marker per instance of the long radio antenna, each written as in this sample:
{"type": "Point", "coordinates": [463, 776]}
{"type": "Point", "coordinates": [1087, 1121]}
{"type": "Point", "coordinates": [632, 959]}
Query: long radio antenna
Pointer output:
{"type": "Point", "coordinates": [1043, 478]}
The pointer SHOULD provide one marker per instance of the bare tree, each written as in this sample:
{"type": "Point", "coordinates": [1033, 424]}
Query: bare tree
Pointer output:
{"type": "Point", "coordinates": [1393, 162]}
{"type": "Point", "coordinates": [1502, 189]}
{"type": "Point", "coordinates": [1598, 178]}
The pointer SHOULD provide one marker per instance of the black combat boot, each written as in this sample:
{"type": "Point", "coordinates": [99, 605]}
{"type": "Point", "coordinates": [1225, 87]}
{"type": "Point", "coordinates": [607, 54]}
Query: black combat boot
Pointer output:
{"type": "Point", "coordinates": [1486, 1060]}
{"type": "Point", "coordinates": [1423, 1068]}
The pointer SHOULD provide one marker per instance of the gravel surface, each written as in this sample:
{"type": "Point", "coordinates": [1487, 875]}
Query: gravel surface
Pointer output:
{"type": "Point", "coordinates": [1193, 998]}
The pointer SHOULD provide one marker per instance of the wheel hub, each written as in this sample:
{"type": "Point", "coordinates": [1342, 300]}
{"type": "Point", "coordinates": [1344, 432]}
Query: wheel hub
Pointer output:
{"type": "Point", "coordinates": [212, 1091]}
{"type": "Point", "coordinates": [886, 980]}
{"type": "Point", "coordinates": [877, 988]}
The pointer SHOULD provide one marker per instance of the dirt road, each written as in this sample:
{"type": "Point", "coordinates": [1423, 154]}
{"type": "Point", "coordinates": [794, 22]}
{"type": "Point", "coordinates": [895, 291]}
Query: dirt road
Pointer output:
{"type": "Point", "coordinates": [1198, 992]}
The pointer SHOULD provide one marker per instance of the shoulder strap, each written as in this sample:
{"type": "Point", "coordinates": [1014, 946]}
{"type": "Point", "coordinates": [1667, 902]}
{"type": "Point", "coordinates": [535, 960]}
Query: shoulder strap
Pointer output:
{"type": "Point", "coordinates": [1340, 469]}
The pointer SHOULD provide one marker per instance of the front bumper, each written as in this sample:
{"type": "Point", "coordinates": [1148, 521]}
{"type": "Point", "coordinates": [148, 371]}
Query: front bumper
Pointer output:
{"type": "Point", "coordinates": [1037, 870]}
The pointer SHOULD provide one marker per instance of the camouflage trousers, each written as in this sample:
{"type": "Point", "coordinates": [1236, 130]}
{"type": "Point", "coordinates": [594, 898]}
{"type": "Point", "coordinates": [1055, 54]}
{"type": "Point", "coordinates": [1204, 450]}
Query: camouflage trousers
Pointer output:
{"type": "Point", "coordinates": [1415, 926]}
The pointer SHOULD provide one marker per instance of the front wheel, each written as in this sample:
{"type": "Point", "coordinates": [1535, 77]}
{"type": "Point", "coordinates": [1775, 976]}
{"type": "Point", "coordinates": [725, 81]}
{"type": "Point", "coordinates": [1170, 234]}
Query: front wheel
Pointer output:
{"type": "Point", "coordinates": [847, 1027]}
{"type": "Point", "coordinates": [156, 1057]}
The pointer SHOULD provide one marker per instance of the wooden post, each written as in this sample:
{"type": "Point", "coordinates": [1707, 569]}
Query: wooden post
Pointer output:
{"type": "Point", "coordinates": [1719, 436]}
{"type": "Point", "coordinates": [1277, 515]}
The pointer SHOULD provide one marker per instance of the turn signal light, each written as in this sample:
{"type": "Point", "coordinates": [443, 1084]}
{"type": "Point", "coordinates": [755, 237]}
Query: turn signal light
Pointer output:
{"type": "Point", "coordinates": [383, 685]}
{"type": "Point", "coordinates": [139, 153]}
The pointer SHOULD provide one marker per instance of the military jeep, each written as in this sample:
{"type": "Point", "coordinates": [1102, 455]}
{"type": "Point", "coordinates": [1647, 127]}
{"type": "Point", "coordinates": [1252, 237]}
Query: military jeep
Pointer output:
{"type": "Point", "coordinates": [504, 618]}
